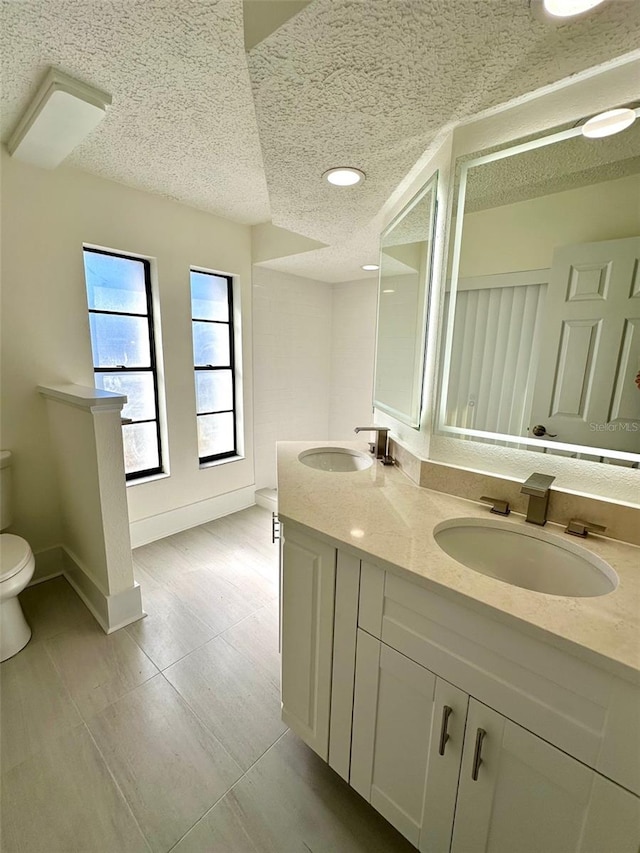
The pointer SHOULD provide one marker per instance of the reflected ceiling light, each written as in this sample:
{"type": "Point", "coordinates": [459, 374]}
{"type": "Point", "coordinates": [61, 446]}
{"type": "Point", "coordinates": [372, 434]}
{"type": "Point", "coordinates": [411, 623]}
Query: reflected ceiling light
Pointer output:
{"type": "Point", "coordinates": [569, 8]}
{"type": "Point", "coordinates": [606, 124]}
{"type": "Point", "coordinates": [62, 112]}
{"type": "Point", "coordinates": [357, 533]}
{"type": "Point", "coordinates": [370, 267]}
{"type": "Point", "coordinates": [344, 176]}
{"type": "Point", "coordinates": [388, 291]}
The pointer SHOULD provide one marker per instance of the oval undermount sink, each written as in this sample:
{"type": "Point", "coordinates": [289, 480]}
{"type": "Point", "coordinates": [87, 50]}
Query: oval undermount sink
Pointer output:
{"type": "Point", "coordinates": [335, 459]}
{"type": "Point", "coordinates": [533, 559]}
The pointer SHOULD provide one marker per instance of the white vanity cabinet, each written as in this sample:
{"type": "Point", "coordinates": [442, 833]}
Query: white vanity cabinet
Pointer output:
{"type": "Point", "coordinates": [516, 791]}
{"type": "Point", "coordinates": [307, 600]}
{"type": "Point", "coordinates": [464, 732]}
{"type": "Point", "coordinates": [408, 732]}
{"type": "Point", "coordinates": [451, 773]}
{"type": "Point", "coordinates": [319, 593]}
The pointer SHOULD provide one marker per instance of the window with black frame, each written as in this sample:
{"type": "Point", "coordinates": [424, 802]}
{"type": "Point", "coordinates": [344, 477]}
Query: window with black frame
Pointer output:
{"type": "Point", "coordinates": [213, 351]}
{"type": "Point", "coordinates": [124, 357]}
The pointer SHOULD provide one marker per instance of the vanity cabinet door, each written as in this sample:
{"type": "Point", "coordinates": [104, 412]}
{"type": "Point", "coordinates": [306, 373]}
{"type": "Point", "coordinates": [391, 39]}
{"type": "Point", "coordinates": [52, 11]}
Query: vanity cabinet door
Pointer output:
{"type": "Point", "coordinates": [398, 711]}
{"type": "Point", "coordinates": [519, 792]}
{"type": "Point", "coordinates": [307, 597]}
{"type": "Point", "coordinates": [448, 727]}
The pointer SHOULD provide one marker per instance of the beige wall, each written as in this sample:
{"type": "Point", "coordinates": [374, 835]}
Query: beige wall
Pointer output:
{"type": "Point", "coordinates": [353, 344]}
{"type": "Point", "coordinates": [522, 236]}
{"type": "Point", "coordinates": [46, 218]}
{"type": "Point", "coordinates": [292, 364]}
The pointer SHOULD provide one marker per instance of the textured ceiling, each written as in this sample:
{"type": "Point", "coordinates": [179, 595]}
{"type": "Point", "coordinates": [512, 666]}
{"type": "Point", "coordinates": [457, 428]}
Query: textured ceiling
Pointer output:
{"type": "Point", "coordinates": [247, 136]}
{"type": "Point", "coordinates": [566, 165]}
{"type": "Point", "coordinates": [182, 121]}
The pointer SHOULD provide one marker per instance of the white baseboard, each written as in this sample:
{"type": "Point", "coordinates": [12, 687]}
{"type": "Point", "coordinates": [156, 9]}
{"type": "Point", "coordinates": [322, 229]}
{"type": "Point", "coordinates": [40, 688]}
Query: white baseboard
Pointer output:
{"type": "Point", "coordinates": [49, 564]}
{"type": "Point", "coordinates": [267, 498]}
{"type": "Point", "coordinates": [155, 527]}
{"type": "Point", "coordinates": [111, 612]}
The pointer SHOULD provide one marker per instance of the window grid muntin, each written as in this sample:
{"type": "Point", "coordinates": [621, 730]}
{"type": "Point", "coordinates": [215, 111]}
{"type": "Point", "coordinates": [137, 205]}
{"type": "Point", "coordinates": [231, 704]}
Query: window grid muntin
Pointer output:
{"type": "Point", "coordinates": [152, 368]}
{"type": "Point", "coordinates": [210, 368]}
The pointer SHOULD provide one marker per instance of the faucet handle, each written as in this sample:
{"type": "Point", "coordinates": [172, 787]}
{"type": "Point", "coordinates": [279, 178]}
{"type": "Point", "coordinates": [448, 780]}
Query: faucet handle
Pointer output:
{"type": "Point", "coordinates": [576, 527]}
{"type": "Point", "coordinates": [499, 507]}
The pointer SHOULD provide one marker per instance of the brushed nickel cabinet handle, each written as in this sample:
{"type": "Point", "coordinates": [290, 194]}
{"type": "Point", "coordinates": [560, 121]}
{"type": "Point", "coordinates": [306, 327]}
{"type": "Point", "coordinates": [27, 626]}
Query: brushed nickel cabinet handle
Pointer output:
{"type": "Point", "coordinates": [447, 711]}
{"type": "Point", "coordinates": [477, 755]}
{"type": "Point", "coordinates": [275, 531]}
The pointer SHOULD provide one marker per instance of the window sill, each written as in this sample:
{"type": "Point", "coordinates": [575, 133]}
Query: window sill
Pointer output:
{"type": "Point", "coordinates": [150, 479]}
{"type": "Point", "coordinates": [216, 462]}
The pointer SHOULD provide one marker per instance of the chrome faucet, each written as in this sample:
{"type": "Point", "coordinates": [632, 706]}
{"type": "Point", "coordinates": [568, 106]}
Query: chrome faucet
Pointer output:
{"type": "Point", "coordinates": [537, 487]}
{"type": "Point", "coordinates": [381, 449]}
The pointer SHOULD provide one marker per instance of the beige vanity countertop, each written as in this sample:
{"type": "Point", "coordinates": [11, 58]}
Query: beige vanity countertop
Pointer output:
{"type": "Point", "coordinates": [383, 516]}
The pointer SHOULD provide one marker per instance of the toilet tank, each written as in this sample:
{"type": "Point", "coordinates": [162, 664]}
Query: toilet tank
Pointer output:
{"type": "Point", "coordinates": [5, 489]}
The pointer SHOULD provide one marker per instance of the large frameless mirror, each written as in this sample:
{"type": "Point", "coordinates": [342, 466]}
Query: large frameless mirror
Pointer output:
{"type": "Point", "coordinates": [406, 249]}
{"type": "Point", "coordinates": [542, 345]}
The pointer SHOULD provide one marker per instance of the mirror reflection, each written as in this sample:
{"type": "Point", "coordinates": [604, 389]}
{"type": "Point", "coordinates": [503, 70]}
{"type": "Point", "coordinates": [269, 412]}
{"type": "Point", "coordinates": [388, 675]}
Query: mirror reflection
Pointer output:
{"type": "Point", "coordinates": [543, 307]}
{"type": "Point", "coordinates": [405, 274]}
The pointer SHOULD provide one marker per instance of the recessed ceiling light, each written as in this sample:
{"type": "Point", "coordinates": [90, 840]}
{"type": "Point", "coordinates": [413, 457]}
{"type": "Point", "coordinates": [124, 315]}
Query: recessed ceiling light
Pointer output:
{"type": "Point", "coordinates": [370, 267]}
{"type": "Point", "coordinates": [569, 8]}
{"type": "Point", "coordinates": [344, 176]}
{"type": "Point", "coordinates": [606, 124]}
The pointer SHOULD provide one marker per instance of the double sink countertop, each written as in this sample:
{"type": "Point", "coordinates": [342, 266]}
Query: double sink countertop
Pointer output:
{"type": "Point", "coordinates": [379, 514]}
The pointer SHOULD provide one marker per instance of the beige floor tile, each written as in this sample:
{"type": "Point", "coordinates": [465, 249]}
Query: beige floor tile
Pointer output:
{"type": "Point", "coordinates": [260, 583]}
{"type": "Point", "coordinates": [34, 703]}
{"type": "Point", "coordinates": [170, 630]}
{"type": "Point", "coordinates": [98, 668]}
{"type": "Point", "coordinates": [214, 600]}
{"type": "Point", "coordinates": [64, 800]}
{"type": "Point", "coordinates": [227, 829]}
{"type": "Point", "coordinates": [246, 545]}
{"type": "Point", "coordinates": [147, 581]}
{"type": "Point", "coordinates": [290, 801]}
{"type": "Point", "coordinates": [161, 561]}
{"type": "Point", "coordinates": [256, 637]}
{"type": "Point", "coordinates": [236, 700]}
{"type": "Point", "coordinates": [52, 607]}
{"type": "Point", "coordinates": [237, 561]}
{"type": "Point", "coordinates": [198, 547]}
{"type": "Point", "coordinates": [169, 767]}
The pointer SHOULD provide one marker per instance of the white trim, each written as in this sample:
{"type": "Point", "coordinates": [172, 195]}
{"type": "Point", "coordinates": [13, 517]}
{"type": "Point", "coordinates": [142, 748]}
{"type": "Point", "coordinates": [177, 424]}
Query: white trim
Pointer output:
{"type": "Point", "coordinates": [267, 498]}
{"type": "Point", "coordinates": [146, 530]}
{"type": "Point", "coordinates": [111, 612]}
{"type": "Point", "coordinates": [522, 278]}
{"type": "Point", "coordinates": [49, 564]}
{"type": "Point", "coordinates": [84, 397]}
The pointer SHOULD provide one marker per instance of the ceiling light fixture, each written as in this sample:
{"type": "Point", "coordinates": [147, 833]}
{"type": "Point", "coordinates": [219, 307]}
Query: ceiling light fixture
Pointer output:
{"type": "Point", "coordinates": [370, 267]}
{"type": "Point", "coordinates": [60, 115]}
{"type": "Point", "coordinates": [569, 8]}
{"type": "Point", "coordinates": [608, 123]}
{"type": "Point", "coordinates": [344, 176]}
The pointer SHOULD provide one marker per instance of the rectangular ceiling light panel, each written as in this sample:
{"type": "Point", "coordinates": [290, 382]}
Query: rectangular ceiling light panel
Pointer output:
{"type": "Point", "coordinates": [62, 113]}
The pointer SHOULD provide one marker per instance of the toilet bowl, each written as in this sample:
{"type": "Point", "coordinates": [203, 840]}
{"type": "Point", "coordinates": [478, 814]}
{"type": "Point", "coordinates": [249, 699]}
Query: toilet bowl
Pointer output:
{"type": "Point", "coordinates": [16, 570]}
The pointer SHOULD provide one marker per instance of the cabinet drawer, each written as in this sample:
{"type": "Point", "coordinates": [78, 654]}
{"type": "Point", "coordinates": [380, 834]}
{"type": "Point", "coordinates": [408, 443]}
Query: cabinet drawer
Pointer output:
{"type": "Point", "coordinates": [583, 710]}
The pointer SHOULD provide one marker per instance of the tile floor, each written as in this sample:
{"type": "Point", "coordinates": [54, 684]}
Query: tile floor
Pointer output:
{"type": "Point", "coordinates": [166, 735]}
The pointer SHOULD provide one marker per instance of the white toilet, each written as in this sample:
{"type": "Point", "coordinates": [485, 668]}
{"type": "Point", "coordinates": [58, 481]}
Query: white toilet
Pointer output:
{"type": "Point", "coordinates": [16, 570]}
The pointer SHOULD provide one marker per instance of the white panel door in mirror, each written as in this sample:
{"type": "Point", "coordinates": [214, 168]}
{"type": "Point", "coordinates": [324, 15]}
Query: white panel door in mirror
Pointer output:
{"type": "Point", "coordinates": [585, 391]}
